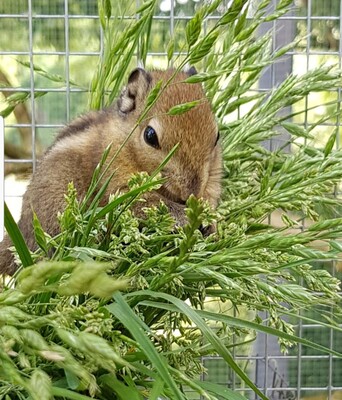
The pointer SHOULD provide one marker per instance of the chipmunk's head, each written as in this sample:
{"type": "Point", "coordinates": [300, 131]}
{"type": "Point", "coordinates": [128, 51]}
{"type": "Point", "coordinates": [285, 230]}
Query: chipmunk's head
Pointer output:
{"type": "Point", "coordinates": [195, 168]}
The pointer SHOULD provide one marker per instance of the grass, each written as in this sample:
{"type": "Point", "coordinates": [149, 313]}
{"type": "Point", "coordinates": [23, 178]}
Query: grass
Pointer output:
{"type": "Point", "coordinates": [121, 308]}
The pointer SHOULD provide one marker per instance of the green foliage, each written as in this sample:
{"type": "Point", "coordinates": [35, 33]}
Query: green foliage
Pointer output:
{"type": "Point", "coordinates": [117, 307]}
{"type": "Point", "coordinates": [17, 238]}
{"type": "Point", "coordinates": [122, 41]}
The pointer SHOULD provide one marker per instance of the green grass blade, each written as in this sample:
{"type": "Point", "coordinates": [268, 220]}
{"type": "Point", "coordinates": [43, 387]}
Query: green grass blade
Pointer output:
{"type": "Point", "coordinates": [157, 389]}
{"type": "Point", "coordinates": [126, 196]}
{"type": "Point", "coordinates": [244, 324]}
{"type": "Point", "coordinates": [68, 394]}
{"type": "Point", "coordinates": [207, 333]}
{"type": "Point", "coordinates": [137, 328]}
{"type": "Point", "coordinates": [123, 391]}
{"type": "Point", "coordinates": [17, 238]}
{"type": "Point", "coordinates": [220, 390]}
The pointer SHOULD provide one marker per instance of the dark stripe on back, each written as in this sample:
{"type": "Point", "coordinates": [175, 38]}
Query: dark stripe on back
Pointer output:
{"type": "Point", "coordinates": [81, 124]}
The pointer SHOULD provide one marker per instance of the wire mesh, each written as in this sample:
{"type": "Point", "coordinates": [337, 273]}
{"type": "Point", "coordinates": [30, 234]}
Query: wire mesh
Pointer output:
{"type": "Point", "coordinates": [65, 38]}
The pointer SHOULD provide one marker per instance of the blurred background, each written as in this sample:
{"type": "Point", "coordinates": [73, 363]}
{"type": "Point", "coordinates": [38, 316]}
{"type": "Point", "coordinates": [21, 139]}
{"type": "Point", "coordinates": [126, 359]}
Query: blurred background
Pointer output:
{"type": "Point", "coordinates": [49, 51]}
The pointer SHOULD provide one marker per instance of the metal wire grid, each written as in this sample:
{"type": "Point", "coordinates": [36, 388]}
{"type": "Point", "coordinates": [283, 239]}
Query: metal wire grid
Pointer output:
{"type": "Point", "coordinates": [279, 376]}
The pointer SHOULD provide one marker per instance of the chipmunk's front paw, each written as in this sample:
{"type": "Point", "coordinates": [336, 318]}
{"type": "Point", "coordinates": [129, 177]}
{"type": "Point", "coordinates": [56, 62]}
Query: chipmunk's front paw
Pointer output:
{"type": "Point", "coordinates": [208, 230]}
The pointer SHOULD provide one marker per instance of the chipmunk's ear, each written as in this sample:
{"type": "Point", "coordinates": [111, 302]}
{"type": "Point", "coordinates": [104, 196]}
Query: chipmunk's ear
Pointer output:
{"type": "Point", "coordinates": [191, 71]}
{"type": "Point", "coordinates": [135, 91]}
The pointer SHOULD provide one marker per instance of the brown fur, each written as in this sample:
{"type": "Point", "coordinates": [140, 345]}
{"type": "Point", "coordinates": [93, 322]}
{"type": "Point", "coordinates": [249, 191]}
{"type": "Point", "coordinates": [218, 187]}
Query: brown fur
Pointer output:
{"type": "Point", "coordinates": [195, 168]}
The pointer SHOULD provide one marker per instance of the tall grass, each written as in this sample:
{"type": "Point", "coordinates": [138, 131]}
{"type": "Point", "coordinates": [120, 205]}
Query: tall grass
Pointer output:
{"type": "Point", "coordinates": [123, 309]}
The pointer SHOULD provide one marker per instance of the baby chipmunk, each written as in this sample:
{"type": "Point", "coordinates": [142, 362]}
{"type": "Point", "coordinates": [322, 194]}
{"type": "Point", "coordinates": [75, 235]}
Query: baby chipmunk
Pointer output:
{"type": "Point", "coordinates": [195, 168]}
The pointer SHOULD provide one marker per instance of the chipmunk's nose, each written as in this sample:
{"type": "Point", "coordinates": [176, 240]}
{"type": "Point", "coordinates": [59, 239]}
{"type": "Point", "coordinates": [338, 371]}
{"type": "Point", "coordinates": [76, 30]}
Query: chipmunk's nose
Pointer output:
{"type": "Point", "coordinates": [191, 185]}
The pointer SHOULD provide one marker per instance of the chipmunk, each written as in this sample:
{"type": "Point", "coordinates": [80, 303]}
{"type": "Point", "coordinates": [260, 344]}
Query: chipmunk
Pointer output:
{"type": "Point", "coordinates": [195, 168]}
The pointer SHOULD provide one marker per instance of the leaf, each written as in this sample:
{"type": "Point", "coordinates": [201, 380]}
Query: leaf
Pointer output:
{"type": "Point", "coordinates": [39, 234]}
{"type": "Point", "coordinates": [124, 392]}
{"type": "Point", "coordinates": [296, 130]}
{"type": "Point", "coordinates": [18, 98]}
{"type": "Point", "coordinates": [241, 22]}
{"type": "Point", "coordinates": [7, 111]}
{"type": "Point", "coordinates": [206, 331]}
{"type": "Point", "coordinates": [183, 108]}
{"type": "Point", "coordinates": [193, 29]}
{"type": "Point", "coordinates": [68, 394]}
{"type": "Point", "coordinates": [202, 77]}
{"type": "Point", "coordinates": [152, 96]}
{"type": "Point", "coordinates": [137, 328]}
{"type": "Point", "coordinates": [330, 143]}
{"type": "Point", "coordinates": [203, 47]}
{"type": "Point", "coordinates": [91, 277]}
{"type": "Point", "coordinates": [145, 39]}
{"type": "Point", "coordinates": [157, 390]}
{"type": "Point", "coordinates": [283, 5]}
{"type": "Point", "coordinates": [40, 385]}
{"type": "Point", "coordinates": [17, 238]}
{"type": "Point", "coordinates": [107, 8]}
{"type": "Point", "coordinates": [220, 390]}
{"type": "Point", "coordinates": [326, 224]}
{"type": "Point", "coordinates": [72, 379]}
{"type": "Point", "coordinates": [88, 253]}
{"type": "Point", "coordinates": [211, 6]}
{"type": "Point", "coordinates": [101, 348]}
{"type": "Point", "coordinates": [132, 193]}
{"type": "Point", "coordinates": [232, 13]}
{"type": "Point", "coordinates": [105, 11]}
{"type": "Point", "coordinates": [170, 49]}
{"type": "Point", "coordinates": [336, 245]}
{"type": "Point", "coordinates": [33, 339]}
{"type": "Point", "coordinates": [241, 323]}
{"type": "Point", "coordinates": [52, 77]}
{"type": "Point", "coordinates": [148, 5]}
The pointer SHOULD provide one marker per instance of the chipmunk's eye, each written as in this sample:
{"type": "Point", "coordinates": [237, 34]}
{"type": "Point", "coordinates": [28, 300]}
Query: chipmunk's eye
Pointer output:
{"type": "Point", "coordinates": [151, 137]}
{"type": "Point", "coordinates": [217, 138]}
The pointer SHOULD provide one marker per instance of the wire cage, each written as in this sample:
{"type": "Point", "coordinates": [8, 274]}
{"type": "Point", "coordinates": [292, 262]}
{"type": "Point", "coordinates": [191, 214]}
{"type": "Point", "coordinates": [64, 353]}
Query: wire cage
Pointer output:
{"type": "Point", "coordinates": [65, 39]}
